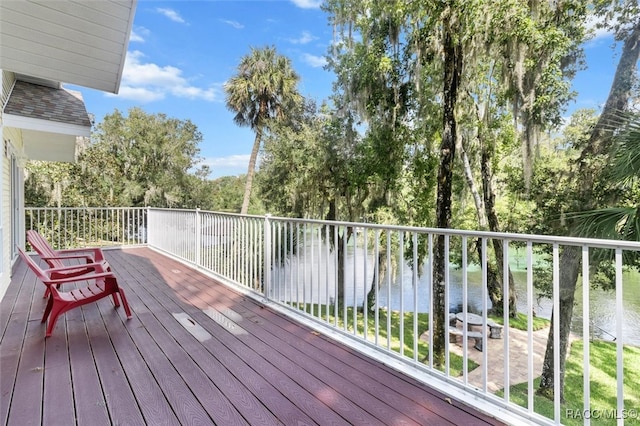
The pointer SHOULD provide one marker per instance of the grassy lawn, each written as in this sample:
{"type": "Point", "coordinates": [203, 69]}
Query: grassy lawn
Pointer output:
{"type": "Point", "coordinates": [603, 386]}
{"type": "Point", "coordinates": [520, 322]}
{"type": "Point", "coordinates": [394, 341]}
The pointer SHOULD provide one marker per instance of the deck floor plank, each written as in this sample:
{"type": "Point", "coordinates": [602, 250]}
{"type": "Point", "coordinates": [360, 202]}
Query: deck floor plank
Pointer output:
{"type": "Point", "coordinates": [89, 401]}
{"type": "Point", "coordinates": [243, 373]}
{"type": "Point", "coordinates": [244, 405]}
{"type": "Point", "coordinates": [121, 402]}
{"type": "Point", "coordinates": [303, 366]}
{"type": "Point", "coordinates": [28, 391]}
{"type": "Point", "coordinates": [256, 367]}
{"type": "Point", "coordinates": [297, 385]}
{"type": "Point", "coordinates": [29, 374]}
{"type": "Point", "coordinates": [382, 406]}
{"type": "Point", "coordinates": [194, 390]}
{"type": "Point", "coordinates": [58, 406]}
{"type": "Point", "coordinates": [151, 399]}
{"type": "Point", "coordinates": [13, 337]}
{"type": "Point", "coordinates": [358, 369]}
{"type": "Point", "coordinates": [11, 296]}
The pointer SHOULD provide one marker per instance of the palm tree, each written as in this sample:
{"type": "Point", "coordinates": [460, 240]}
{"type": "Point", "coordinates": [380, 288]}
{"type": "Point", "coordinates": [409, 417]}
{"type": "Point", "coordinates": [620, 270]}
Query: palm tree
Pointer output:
{"type": "Point", "coordinates": [623, 221]}
{"type": "Point", "coordinates": [265, 88]}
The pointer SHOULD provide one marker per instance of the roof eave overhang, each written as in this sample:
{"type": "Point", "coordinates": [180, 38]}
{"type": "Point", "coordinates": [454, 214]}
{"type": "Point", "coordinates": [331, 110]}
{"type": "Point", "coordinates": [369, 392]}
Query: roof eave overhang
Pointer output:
{"type": "Point", "coordinates": [45, 126]}
{"type": "Point", "coordinates": [80, 43]}
{"type": "Point", "coordinates": [47, 140]}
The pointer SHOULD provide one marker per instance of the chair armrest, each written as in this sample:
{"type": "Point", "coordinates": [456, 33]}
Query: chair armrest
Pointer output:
{"type": "Point", "coordinates": [98, 266]}
{"type": "Point", "coordinates": [97, 252]}
{"type": "Point", "coordinates": [71, 256]}
{"type": "Point", "coordinates": [83, 277]}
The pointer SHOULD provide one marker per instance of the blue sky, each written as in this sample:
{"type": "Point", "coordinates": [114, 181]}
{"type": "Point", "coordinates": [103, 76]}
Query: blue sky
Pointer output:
{"type": "Point", "coordinates": [181, 53]}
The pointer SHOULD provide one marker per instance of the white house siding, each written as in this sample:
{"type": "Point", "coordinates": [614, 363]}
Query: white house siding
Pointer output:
{"type": "Point", "coordinates": [11, 141]}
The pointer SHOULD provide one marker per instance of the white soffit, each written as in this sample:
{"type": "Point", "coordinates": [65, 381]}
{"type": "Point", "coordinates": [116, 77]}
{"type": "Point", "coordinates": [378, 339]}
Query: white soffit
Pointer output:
{"type": "Point", "coordinates": [46, 146]}
{"type": "Point", "coordinates": [73, 41]}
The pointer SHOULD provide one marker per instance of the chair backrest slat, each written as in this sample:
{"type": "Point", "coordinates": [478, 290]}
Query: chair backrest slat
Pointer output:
{"type": "Point", "coordinates": [34, 267]}
{"type": "Point", "coordinates": [42, 247]}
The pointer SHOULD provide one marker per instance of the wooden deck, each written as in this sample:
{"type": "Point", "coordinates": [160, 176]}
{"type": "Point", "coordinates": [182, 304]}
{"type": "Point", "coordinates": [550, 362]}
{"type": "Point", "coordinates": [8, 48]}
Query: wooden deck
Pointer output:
{"type": "Point", "coordinates": [247, 364]}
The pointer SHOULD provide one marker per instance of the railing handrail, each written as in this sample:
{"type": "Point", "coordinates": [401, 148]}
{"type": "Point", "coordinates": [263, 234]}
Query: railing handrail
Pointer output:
{"type": "Point", "coordinates": [511, 236]}
{"type": "Point", "coordinates": [85, 208]}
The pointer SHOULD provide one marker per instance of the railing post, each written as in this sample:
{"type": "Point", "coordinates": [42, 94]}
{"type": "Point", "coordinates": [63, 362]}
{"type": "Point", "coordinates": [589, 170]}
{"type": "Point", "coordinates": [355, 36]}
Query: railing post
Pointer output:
{"type": "Point", "coordinates": [267, 255]}
{"type": "Point", "coordinates": [198, 238]}
{"type": "Point", "coordinates": [150, 241]}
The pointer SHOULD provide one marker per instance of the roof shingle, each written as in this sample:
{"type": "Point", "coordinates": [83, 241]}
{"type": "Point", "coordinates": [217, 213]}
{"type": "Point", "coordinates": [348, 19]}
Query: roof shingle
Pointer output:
{"type": "Point", "coordinates": [47, 103]}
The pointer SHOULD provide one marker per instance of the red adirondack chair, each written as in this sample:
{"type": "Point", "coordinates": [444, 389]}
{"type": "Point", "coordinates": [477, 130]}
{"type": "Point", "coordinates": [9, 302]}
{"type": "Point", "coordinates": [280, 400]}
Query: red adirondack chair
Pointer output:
{"type": "Point", "coordinates": [104, 284]}
{"type": "Point", "coordinates": [54, 258]}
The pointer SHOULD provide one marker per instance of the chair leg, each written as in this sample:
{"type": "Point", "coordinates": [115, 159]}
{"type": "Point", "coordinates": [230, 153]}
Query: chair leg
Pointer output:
{"type": "Point", "coordinates": [125, 303]}
{"type": "Point", "coordinates": [57, 310]}
{"type": "Point", "coordinates": [110, 285]}
{"type": "Point", "coordinates": [116, 302]}
{"type": "Point", "coordinates": [47, 310]}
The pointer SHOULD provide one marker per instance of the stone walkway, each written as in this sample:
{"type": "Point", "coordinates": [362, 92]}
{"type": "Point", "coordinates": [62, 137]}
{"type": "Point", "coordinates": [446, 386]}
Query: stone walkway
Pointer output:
{"type": "Point", "coordinates": [518, 358]}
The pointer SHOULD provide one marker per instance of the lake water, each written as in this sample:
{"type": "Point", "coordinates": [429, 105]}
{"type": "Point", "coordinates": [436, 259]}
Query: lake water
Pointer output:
{"type": "Point", "coordinates": [314, 282]}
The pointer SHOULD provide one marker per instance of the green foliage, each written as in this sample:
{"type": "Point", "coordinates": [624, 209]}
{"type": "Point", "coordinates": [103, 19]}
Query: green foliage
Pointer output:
{"type": "Point", "coordinates": [226, 193]}
{"type": "Point", "coordinates": [264, 90]}
{"type": "Point", "coordinates": [50, 184]}
{"type": "Point", "coordinates": [619, 185]}
{"type": "Point", "coordinates": [295, 177]}
{"type": "Point", "coordinates": [520, 322]}
{"type": "Point", "coordinates": [135, 160]}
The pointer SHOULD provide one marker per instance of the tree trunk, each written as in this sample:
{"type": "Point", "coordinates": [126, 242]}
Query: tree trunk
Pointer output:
{"type": "Point", "coordinates": [475, 194]}
{"type": "Point", "coordinates": [338, 249]}
{"type": "Point", "coordinates": [570, 262]}
{"type": "Point", "coordinates": [494, 288]}
{"type": "Point", "coordinates": [452, 70]}
{"type": "Point", "coordinates": [251, 172]}
{"type": "Point", "coordinates": [494, 226]}
{"type": "Point", "coordinates": [488, 219]}
{"type": "Point", "coordinates": [376, 281]}
{"type": "Point", "coordinates": [599, 144]}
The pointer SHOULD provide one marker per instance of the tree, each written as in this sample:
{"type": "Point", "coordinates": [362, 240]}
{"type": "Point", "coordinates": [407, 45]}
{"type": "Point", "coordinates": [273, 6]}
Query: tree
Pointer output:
{"type": "Point", "coordinates": [226, 193]}
{"type": "Point", "coordinates": [135, 160]}
{"type": "Point", "coordinates": [141, 160]}
{"type": "Point", "coordinates": [408, 71]}
{"type": "Point", "coordinates": [51, 184]}
{"type": "Point", "coordinates": [264, 89]}
{"type": "Point", "coordinates": [623, 17]}
{"type": "Point", "coordinates": [623, 172]}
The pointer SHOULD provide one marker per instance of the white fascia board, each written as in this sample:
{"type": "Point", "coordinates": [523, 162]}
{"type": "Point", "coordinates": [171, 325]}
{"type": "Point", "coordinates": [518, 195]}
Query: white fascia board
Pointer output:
{"type": "Point", "coordinates": [28, 123]}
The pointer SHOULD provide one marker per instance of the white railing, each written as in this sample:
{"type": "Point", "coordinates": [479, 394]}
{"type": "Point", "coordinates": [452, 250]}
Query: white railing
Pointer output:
{"type": "Point", "coordinates": [356, 281]}
{"type": "Point", "coordinates": [89, 226]}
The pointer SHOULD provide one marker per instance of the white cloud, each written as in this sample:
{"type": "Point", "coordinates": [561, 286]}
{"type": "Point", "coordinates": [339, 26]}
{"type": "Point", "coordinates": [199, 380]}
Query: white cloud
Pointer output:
{"type": "Point", "coordinates": [136, 37]}
{"type": "Point", "coordinates": [171, 14]}
{"type": "Point", "coordinates": [595, 32]}
{"type": "Point", "coordinates": [147, 82]}
{"type": "Point", "coordinates": [239, 161]}
{"type": "Point", "coordinates": [235, 24]}
{"type": "Point", "coordinates": [140, 94]}
{"type": "Point", "coordinates": [305, 38]}
{"type": "Point", "coordinates": [314, 61]}
{"type": "Point", "coordinates": [307, 4]}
